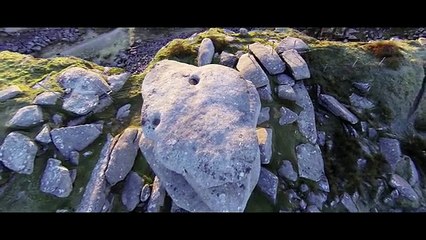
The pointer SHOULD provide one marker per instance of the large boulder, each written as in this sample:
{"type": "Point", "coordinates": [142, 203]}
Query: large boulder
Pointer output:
{"type": "Point", "coordinates": [199, 134]}
{"type": "Point", "coordinates": [56, 179]}
{"type": "Point", "coordinates": [27, 116]}
{"type": "Point", "coordinates": [251, 70]}
{"type": "Point", "coordinates": [298, 67]}
{"type": "Point", "coordinates": [18, 153]}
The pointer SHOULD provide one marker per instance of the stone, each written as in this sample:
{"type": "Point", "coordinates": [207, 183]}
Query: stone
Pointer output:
{"type": "Point", "coordinates": [131, 193]}
{"type": "Point", "coordinates": [287, 116]}
{"type": "Point", "coordinates": [56, 179]}
{"type": "Point", "coordinates": [27, 116]}
{"type": "Point", "coordinates": [360, 102]}
{"type": "Point", "coordinates": [287, 172]}
{"type": "Point", "coordinates": [407, 170]}
{"type": "Point", "coordinates": [123, 156]}
{"type": "Point", "coordinates": [372, 133]}
{"type": "Point", "coordinates": [18, 153]}
{"type": "Point", "coordinates": [205, 52]}
{"type": "Point", "coordinates": [306, 119]}
{"type": "Point", "coordinates": [264, 136]}
{"type": "Point", "coordinates": [391, 151]}
{"type": "Point", "coordinates": [302, 204]}
{"type": "Point", "coordinates": [116, 82]}
{"type": "Point", "coordinates": [96, 192]}
{"type": "Point", "coordinates": [361, 163]}
{"type": "Point", "coordinates": [317, 199]}
{"type": "Point", "coordinates": [201, 139]}
{"type": "Point", "coordinates": [268, 184]}
{"type": "Point", "coordinates": [87, 154]}
{"type": "Point", "coordinates": [310, 162]}
{"type": "Point", "coordinates": [176, 209]}
{"type": "Point", "coordinates": [265, 93]}
{"type": "Point", "coordinates": [104, 103]}
{"type": "Point", "coordinates": [284, 79]}
{"type": "Point", "coordinates": [47, 98]}
{"type": "Point", "coordinates": [422, 41]}
{"type": "Point", "coordinates": [298, 67]}
{"type": "Point", "coordinates": [57, 119]}
{"type": "Point", "coordinates": [73, 175]}
{"type": "Point", "coordinates": [250, 70]}
{"type": "Point", "coordinates": [243, 32]}
{"type": "Point", "coordinates": [304, 188]}
{"type": "Point", "coordinates": [269, 59]}
{"type": "Point", "coordinates": [348, 203]}
{"type": "Point", "coordinates": [228, 59]}
{"type": "Point", "coordinates": [323, 184]}
{"type": "Point", "coordinates": [403, 187]}
{"type": "Point", "coordinates": [364, 126]}
{"type": "Point", "coordinates": [9, 93]}
{"type": "Point", "coordinates": [286, 92]}
{"type": "Point", "coordinates": [80, 104]}
{"type": "Point", "coordinates": [290, 43]}
{"type": "Point", "coordinates": [363, 88]}
{"type": "Point", "coordinates": [123, 112]}
{"type": "Point", "coordinates": [158, 195]}
{"type": "Point", "coordinates": [44, 135]}
{"type": "Point", "coordinates": [76, 138]}
{"type": "Point", "coordinates": [335, 107]}
{"type": "Point", "coordinates": [264, 115]}
{"type": "Point", "coordinates": [312, 209]}
{"type": "Point", "coordinates": [145, 193]}
{"type": "Point", "coordinates": [321, 138]}
{"type": "Point", "coordinates": [74, 158]}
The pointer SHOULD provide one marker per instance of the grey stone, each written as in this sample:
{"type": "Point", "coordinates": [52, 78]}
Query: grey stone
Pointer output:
{"type": "Point", "coordinates": [287, 116]}
{"type": "Point", "coordinates": [321, 138]}
{"type": "Point", "coordinates": [363, 88]}
{"type": "Point", "coordinates": [130, 196]}
{"type": "Point", "coordinates": [123, 156]}
{"type": "Point", "coordinates": [264, 136]}
{"type": "Point", "coordinates": [116, 82]}
{"type": "Point", "coordinates": [289, 43]}
{"type": "Point", "coordinates": [348, 203]}
{"type": "Point", "coordinates": [360, 102]}
{"type": "Point", "coordinates": [77, 138]}
{"type": "Point", "coordinates": [361, 163]}
{"type": "Point", "coordinates": [57, 119]}
{"type": "Point", "coordinates": [96, 191]}
{"type": "Point", "coordinates": [284, 79]}
{"type": "Point", "coordinates": [422, 41]}
{"type": "Point", "coordinates": [205, 52]}
{"type": "Point", "coordinates": [286, 171]}
{"type": "Point", "coordinates": [44, 135]}
{"type": "Point", "coordinates": [211, 165]}
{"type": "Point", "coordinates": [406, 169]}
{"type": "Point", "coordinates": [176, 209]}
{"type": "Point", "coordinates": [268, 184]}
{"type": "Point", "coordinates": [228, 59]}
{"type": "Point", "coordinates": [337, 108]}
{"type": "Point", "coordinates": [310, 162]}
{"type": "Point", "coordinates": [243, 32]}
{"type": "Point", "coordinates": [312, 209]}
{"type": "Point", "coordinates": [306, 119]}
{"type": "Point", "coordinates": [364, 126]}
{"type": "Point", "coordinates": [403, 187]}
{"type": "Point", "coordinates": [239, 53]}
{"type": "Point", "coordinates": [263, 116]}
{"type": "Point", "coordinates": [394, 194]}
{"type": "Point", "coordinates": [298, 67]}
{"type": "Point", "coordinates": [269, 59]}
{"type": "Point", "coordinates": [18, 153]}
{"type": "Point", "coordinates": [158, 195]}
{"type": "Point", "coordinates": [250, 70]}
{"type": "Point", "coordinates": [265, 93]}
{"type": "Point", "coordinates": [286, 92]}
{"type": "Point", "coordinates": [27, 116]}
{"type": "Point", "coordinates": [74, 158]}
{"type": "Point", "coordinates": [80, 104]}
{"type": "Point", "coordinates": [372, 133]}
{"type": "Point", "coordinates": [104, 102]}
{"type": "Point", "coordinates": [123, 111]}
{"type": "Point", "coordinates": [323, 184]}
{"type": "Point", "coordinates": [47, 98]}
{"type": "Point", "coordinates": [302, 204]}
{"type": "Point", "coordinates": [9, 93]}
{"type": "Point", "coordinates": [145, 193]}
{"type": "Point", "coordinates": [87, 154]}
{"type": "Point", "coordinates": [391, 151]}
{"type": "Point", "coordinates": [304, 188]}
{"type": "Point", "coordinates": [56, 179]}
{"type": "Point", "coordinates": [317, 199]}
{"type": "Point", "coordinates": [73, 174]}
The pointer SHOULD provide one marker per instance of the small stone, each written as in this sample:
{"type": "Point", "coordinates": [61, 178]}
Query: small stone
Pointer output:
{"type": "Point", "coordinates": [18, 153]}
{"type": "Point", "coordinates": [268, 184]}
{"type": "Point", "coordinates": [158, 195]}
{"type": "Point", "coordinates": [364, 88]}
{"type": "Point", "coordinates": [310, 162]}
{"type": "Point", "coordinates": [205, 52]}
{"type": "Point", "coordinates": [27, 117]}
{"type": "Point", "coordinates": [290, 43]}
{"type": "Point", "coordinates": [360, 102]}
{"type": "Point", "coordinates": [304, 188]}
{"type": "Point", "coordinates": [372, 133]}
{"type": "Point", "coordinates": [123, 112]}
{"type": "Point", "coordinates": [287, 116]}
{"type": "Point", "coordinates": [284, 79]}
{"type": "Point", "coordinates": [265, 93]}
{"type": "Point", "coordinates": [364, 127]}
{"type": "Point", "coordinates": [47, 98]}
{"type": "Point", "coordinates": [145, 193]}
{"type": "Point", "coordinates": [391, 151]}
{"type": "Point", "coordinates": [243, 32]}
{"type": "Point", "coordinates": [9, 93]}
{"type": "Point", "coordinates": [337, 108]}
{"type": "Point", "coordinates": [117, 81]}
{"type": "Point", "coordinates": [316, 199]}
{"type": "Point", "coordinates": [264, 115]}
{"type": "Point", "coordinates": [403, 188]}
{"type": "Point", "coordinates": [312, 209]}
{"type": "Point", "coordinates": [56, 179]}
{"type": "Point", "coordinates": [287, 171]}
{"type": "Point", "coordinates": [298, 67]}
{"type": "Point", "coordinates": [302, 205]}
{"type": "Point", "coordinates": [264, 136]}
{"type": "Point", "coordinates": [269, 59]}
{"type": "Point", "coordinates": [130, 196]}
{"type": "Point", "coordinates": [251, 71]}
{"type": "Point", "coordinates": [74, 157]}
{"type": "Point", "coordinates": [228, 59]}
{"type": "Point", "coordinates": [286, 92]}
{"type": "Point", "coordinates": [87, 154]}
{"type": "Point", "coordinates": [57, 119]}
{"type": "Point", "coordinates": [73, 174]}
{"type": "Point", "coordinates": [306, 120]}
{"type": "Point", "coordinates": [44, 135]}
{"type": "Point", "coordinates": [361, 163]}
{"type": "Point", "coordinates": [346, 200]}
{"type": "Point", "coordinates": [321, 138]}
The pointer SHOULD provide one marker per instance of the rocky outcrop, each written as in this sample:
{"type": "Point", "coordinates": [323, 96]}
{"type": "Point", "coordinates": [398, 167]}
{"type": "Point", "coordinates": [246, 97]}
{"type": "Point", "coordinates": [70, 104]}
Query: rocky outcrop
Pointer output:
{"type": "Point", "coordinates": [201, 140]}
{"type": "Point", "coordinates": [26, 117]}
{"type": "Point", "coordinates": [56, 179]}
{"type": "Point", "coordinates": [18, 153]}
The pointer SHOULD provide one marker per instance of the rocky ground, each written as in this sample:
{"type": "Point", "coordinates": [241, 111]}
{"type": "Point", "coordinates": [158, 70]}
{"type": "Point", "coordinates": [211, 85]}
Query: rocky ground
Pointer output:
{"type": "Point", "coordinates": [279, 122]}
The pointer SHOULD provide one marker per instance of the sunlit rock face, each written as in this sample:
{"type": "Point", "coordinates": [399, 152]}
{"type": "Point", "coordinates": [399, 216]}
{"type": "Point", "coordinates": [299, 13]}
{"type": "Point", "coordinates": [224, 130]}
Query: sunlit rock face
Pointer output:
{"type": "Point", "coordinates": [199, 134]}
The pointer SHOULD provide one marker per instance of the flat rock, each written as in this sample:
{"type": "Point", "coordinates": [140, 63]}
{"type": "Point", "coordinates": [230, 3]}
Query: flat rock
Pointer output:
{"type": "Point", "coordinates": [205, 52]}
{"type": "Point", "coordinates": [264, 115]}
{"type": "Point", "coordinates": [360, 102]}
{"type": "Point", "coordinates": [201, 139]}
{"type": "Point", "coordinates": [228, 59]}
{"type": "Point", "coordinates": [251, 70]}
{"type": "Point", "coordinates": [123, 112]}
{"type": "Point", "coordinates": [310, 162]}
{"type": "Point", "coordinates": [264, 136]}
{"type": "Point", "coordinates": [158, 195]}
{"type": "Point", "coordinates": [265, 93]}
{"type": "Point", "coordinates": [287, 116]}
{"type": "Point", "coordinates": [298, 67]}
{"type": "Point", "coordinates": [80, 104]}
{"type": "Point", "coordinates": [391, 151]}
{"type": "Point", "coordinates": [337, 108]}
{"type": "Point", "coordinates": [47, 98]}
{"type": "Point", "coordinates": [44, 135]}
{"type": "Point", "coordinates": [269, 59]}
{"type": "Point", "coordinates": [348, 203]}
{"type": "Point", "coordinates": [27, 116]}
{"type": "Point", "coordinates": [268, 184]}
{"type": "Point", "coordinates": [306, 119]}
{"type": "Point", "coordinates": [56, 179]}
{"type": "Point", "coordinates": [290, 43]}
{"type": "Point", "coordinates": [286, 171]}
{"type": "Point", "coordinates": [18, 153]}
{"type": "Point", "coordinates": [286, 92]}
{"type": "Point", "coordinates": [403, 187]}
{"type": "Point", "coordinates": [123, 156]}
{"type": "Point", "coordinates": [76, 138]}
{"type": "Point", "coordinates": [284, 79]}
{"type": "Point", "coordinates": [9, 93]}
{"type": "Point", "coordinates": [116, 82]}
{"type": "Point", "coordinates": [131, 193]}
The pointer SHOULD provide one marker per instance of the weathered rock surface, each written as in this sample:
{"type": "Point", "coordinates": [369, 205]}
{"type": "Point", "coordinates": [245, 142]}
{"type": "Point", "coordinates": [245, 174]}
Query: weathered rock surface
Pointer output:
{"type": "Point", "coordinates": [123, 112]}
{"type": "Point", "coordinates": [205, 52]}
{"type": "Point", "coordinates": [251, 71]}
{"type": "Point", "coordinates": [44, 135]}
{"type": "Point", "coordinates": [264, 136]}
{"type": "Point", "coordinates": [286, 92]}
{"type": "Point", "coordinates": [201, 140]}
{"type": "Point", "coordinates": [360, 102]}
{"type": "Point", "coordinates": [47, 98]}
{"type": "Point", "coordinates": [403, 187]}
{"type": "Point", "coordinates": [18, 153]}
{"type": "Point", "coordinates": [310, 162]}
{"type": "Point", "coordinates": [56, 179]}
{"type": "Point", "coordinates": [269, 59]}
{"type": "Point", "coordinates": [27, 116]}
{"type": "Point", "coordinates": [298, 67]}
{"type": "Point", "coordinates": [264, 115]}
{"type": "Point", "coordinates": [391, 151]}
{"type": "Point", "coordinates": [284, 79]}
{"type": "Point", "coordinates": [117, 82]}
{"type": "Point", "coordinates": [289, 43]}
{"type": "Point", "coordinates": [158, 194]}
{"type": "Point", "coordinates": [337, 108]}
{"type": "Point", "coordinates": [228, 59]}
{"type": "Point", "coordinates": [407, 170]}
{"type": "Point", "coordinates": [130, 196]}
{"type": "Point", "coordinates": [287, 171]}
{"type": "Point", "coordinates": [306, 119]}
{"type": "Point", "coordinates": [287, 116]}
{"type": "Point", "coordinates": [9, 93]}
{"type": "Point", "coordinates": [268, 184]}
{"type": "Point", "coordinates": [265, 93]}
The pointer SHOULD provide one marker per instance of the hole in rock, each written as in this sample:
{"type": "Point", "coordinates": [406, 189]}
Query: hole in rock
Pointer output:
{"type": "Point", "coordinates": [194, 79]}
